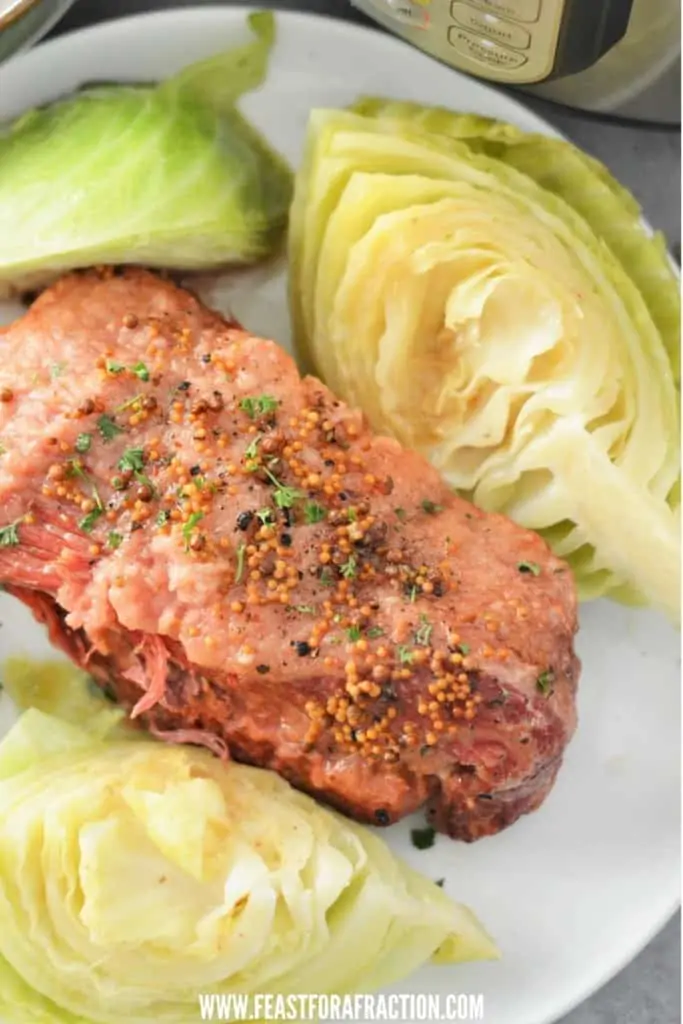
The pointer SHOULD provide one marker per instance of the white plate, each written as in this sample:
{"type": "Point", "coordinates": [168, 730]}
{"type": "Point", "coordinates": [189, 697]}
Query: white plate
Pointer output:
{"type": "Point", "coordinates": [574, 891]}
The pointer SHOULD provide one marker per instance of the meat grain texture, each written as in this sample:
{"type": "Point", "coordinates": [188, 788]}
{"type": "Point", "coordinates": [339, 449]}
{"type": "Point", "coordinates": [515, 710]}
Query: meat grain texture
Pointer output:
{"type": "Point", "coordinates": [233, 555]}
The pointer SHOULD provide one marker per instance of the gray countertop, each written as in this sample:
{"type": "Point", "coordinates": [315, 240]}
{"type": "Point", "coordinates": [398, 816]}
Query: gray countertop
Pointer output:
{"type": "Point", "coordinates": [649, 162]}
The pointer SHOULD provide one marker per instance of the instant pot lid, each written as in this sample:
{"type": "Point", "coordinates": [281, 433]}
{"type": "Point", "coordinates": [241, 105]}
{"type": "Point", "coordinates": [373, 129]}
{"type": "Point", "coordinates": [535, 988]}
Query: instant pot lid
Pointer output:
{"type": "Point", "coordinates": [23, 22]}
{"type": "Point", "coordinates": [639, 78]}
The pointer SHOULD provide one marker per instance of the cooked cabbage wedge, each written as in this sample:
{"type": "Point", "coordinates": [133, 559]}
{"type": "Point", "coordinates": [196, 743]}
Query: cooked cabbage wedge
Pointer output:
{"type": "Point", "coordinates": [170, 175]}
{"type": "Point", "coordinates": [135, 875]}
{"type": "Point", "coordinates": [57, 688]}
{"type": "Point", "coordinates": [493, 300]}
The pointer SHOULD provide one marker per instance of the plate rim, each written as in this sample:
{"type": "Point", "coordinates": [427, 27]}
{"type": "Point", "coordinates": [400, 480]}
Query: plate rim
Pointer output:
{"type": "Point", "coordinates": [237, 12]}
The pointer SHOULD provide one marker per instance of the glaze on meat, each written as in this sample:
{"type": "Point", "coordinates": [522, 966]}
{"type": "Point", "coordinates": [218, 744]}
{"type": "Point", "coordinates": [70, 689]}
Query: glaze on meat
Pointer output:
{"type": "Point", "coordinates": [235, 557]}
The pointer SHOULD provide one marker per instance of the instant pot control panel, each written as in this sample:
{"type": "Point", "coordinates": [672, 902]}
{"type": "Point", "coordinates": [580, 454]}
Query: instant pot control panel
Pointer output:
{"type": "Point", "coordinates": [514, 41]}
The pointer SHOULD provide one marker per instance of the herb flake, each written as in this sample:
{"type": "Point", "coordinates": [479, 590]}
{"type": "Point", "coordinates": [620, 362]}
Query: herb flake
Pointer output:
{"type": "Point", "coordinates": [241, 553]}
{"type": "Point", "coordinates": [350, 568]}
{"type": "Point", "coordinates": [313, 512]}
{"type": "Point", "coordinates": [87, 523]}
{"type": "Point", "coordinates": [141, 371]}
{"type": "Point", "coordinates": [529, 567]}
{"type": "Point", "coordinates": [108, 428]}
{"type": "Point", "coordinates": [258, 405]}
{"type": "Point", "coordinates": [326, 577]}
{"type": "Point", "coordinates": [423, 838]}
{"type": "Point", "coordinates": [189, 527]}
{"type": "Point", "coordinates": [56, 370]}
{"type": "Point", "coordinates": [544, 683]}
{"type": "Point", "coordinates": [430, 507]}
{"type": "Point", "coordinates": [405, 655]}
{"type": "Point", "coordinates": [284, 497]}
{"type": "Point", "coordinates": [9, 535]}
{"type": "Point", "coordinates": [133, 460]}
{"type": "Point", "coordinates": [251, 451]}
{"type": "Point", "coordinates": [83, 442]}
{"type": "Point", "coordinates": [423, 633]}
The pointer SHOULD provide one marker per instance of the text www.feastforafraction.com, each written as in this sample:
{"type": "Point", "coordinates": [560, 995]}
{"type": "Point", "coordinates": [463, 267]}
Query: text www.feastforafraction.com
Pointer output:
{"type": "Point", "coordinates": [397, 1007]}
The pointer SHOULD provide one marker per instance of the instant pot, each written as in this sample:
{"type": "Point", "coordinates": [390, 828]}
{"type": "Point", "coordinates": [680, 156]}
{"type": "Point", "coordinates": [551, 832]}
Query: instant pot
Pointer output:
{"type": "Point", "coordinates": [22, 22]}
{"type": "Point", "coordinates": [610, 56]}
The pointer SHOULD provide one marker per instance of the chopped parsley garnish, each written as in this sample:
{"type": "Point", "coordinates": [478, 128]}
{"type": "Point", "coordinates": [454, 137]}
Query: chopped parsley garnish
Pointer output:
{"type": "Point", "coordinates": [464, 648]}
{"type": "Point", "coordinates": [405, 655]}
{"type": "Point", "coordinates": [114, 540]}
{"type": "Point", "coordinates": [83, 442]}
{"type": "Point", "coordinates": [189, 526]}
{"type": "Point", "coordinates": [284, 497]}
{"type": "Point", "coordinates": [422, 838]}
{"type": "Point", "coordinates": [241, 553]}
{"type": "Point", "coordinates": [353, 633]}
{"type": "Point", "coordinates": [133, 459]}
{"type": "Point", "coordinates": [529, 567]}
{"type": "Point", "coordinates": [423, 633]}
{"type": "Point", "coordinates": [9, 535]}
{"type": "Point", "coordinates": [374, 632]}
{"type": "Point", "coordinates": [162, 517]}
{"type": "Point", "coordinates": [56, 370]}
{"type": "Point", "coordinates": [303, 609]}
{"type": "Point", "coordinates": [251, 449]}
{"type": "Point", "coordinates": [349, 568]}
{"type": "Point", "coordinates": [326, 577]}
{"type": "Point", "coordinates": [87, 523]}
{"type": "Point", "coordinates": [141, 371]}
{"type": "Point", "coordinates": [412, 596]}
{"type": "Point", "coordinates": [401, 514]}
{"type": "Point", "coordinates": [107, 428]}
{"type": "Point", "coordinates": [544, 683]}
{"type": "Point", "coordinates": [351, 515]}
{"type": "Point", "coordinates": [258, 405]}
{"type": "Point", "coordinates": [114, 367]}
{"type": "Point", "coordinates": [313, 512]}
{"type": "Point", "coordinates": [265, 516]}
{"type": "Point", "coordinates": [430, 507]}
{"type": "Point", "coordinates": [74, 467]}
{"type": "Point", "coordinates": [128, 404]}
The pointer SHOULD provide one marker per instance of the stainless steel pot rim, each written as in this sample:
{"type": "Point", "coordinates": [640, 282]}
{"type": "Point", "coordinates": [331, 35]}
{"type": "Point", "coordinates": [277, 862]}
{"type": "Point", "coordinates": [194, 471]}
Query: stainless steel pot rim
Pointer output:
{"type": "Point", "coordinates": [12, 10]}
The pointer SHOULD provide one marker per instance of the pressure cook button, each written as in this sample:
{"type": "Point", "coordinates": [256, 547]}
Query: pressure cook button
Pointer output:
{"type": "Point", "coordinates": [490, 26]}
{"type": "Point", "coordinates": [518, 10]}
{"type": "Point", "coordinates": [484, 50]}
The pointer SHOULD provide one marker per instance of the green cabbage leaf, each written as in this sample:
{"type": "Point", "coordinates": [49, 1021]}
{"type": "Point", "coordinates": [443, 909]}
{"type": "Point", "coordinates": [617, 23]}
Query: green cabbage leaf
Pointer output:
{"type": "Point", "coordinates": [135, 875]}
{"type": "Point", "coordinates": [168, 175]}
{"type": "Point", "coordinates": [493, 300]}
